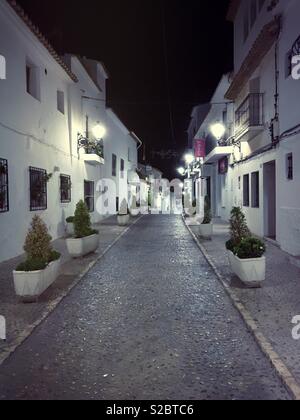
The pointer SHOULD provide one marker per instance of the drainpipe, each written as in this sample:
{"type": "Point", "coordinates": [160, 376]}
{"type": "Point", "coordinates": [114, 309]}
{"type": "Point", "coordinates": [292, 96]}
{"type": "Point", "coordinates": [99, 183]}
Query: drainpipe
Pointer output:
{"type": "Point", "coordinates": [274, 126]}
{"type": "Point", "coordinates": [137, 139]}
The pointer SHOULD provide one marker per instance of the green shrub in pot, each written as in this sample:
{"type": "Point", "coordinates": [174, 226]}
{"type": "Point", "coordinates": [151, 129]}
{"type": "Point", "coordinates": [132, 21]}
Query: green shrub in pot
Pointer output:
{"type": "Point", "coordinates": [39, 252]}
{"type": "Point", "coordinates": [82, 221]}
{"type": "Point", "coordinates": [250, 248]}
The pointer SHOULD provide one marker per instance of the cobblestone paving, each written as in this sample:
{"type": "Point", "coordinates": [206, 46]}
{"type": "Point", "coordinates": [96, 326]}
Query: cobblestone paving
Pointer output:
{"type": "Point", "coordinates": [275, 304]}
{"type": "Point", "coordinates": [20, 317]}
{"type": "Point", "coordinates": [150, 321]}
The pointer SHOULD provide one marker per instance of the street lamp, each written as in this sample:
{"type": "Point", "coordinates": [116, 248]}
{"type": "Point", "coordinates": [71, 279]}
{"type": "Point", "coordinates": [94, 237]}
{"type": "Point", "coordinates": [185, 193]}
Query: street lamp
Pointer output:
{"type": "Point", "coordinates": [181, 171]}
{"type": "Point", "coordinates": [218, 130]}
{"type": "Point", "coordinates": [99, 131]}
{"type": "Point", "coordinates": [189, 158]}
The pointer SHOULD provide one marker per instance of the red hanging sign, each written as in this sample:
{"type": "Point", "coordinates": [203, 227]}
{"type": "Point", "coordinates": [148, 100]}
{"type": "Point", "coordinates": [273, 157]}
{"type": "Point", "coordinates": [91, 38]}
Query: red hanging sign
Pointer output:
{"type": "Point", "coordinates": [199, 148]}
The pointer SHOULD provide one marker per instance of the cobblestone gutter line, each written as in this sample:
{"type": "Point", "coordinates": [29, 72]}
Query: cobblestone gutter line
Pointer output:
{"type": "Point", "coordinates": [285, 375]}
{"type": "Point", "coordinates": [51, 307]}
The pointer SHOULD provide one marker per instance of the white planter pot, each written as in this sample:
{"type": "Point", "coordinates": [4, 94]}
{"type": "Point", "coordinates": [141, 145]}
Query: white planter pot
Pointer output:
{"type": "Point", "coordinates": [82, 246]}
{"type": "Point", "coordinates": [206, 231]}
{"type": "Point", "coordinates": [123, 219]}
{"type": "Point", "coordinates": [30, 285]}
{"type": "Point", "coordinates": [134, 212]}
{"type": "Point", "coordinates": [252, 272]}
{"type": "Point", "coordinates": [70, 229]}
{"type": "Point", "coordinates": [193, 221]}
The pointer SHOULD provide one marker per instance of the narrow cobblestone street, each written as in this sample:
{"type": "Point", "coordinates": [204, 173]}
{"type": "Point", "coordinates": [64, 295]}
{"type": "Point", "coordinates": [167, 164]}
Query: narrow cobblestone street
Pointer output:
{"type": "Point", "coordinates": [150, 321]}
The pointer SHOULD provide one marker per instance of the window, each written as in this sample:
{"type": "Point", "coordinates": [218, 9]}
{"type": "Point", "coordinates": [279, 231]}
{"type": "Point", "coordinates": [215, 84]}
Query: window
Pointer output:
{"type": "Point", "coordinates": [129, 154]}
{"type": "Point", "coordinates": [32, 80]}
{"type": "Point", "coordinates": [65, 189]}
{"type": "Point", "coordinates": [253, 12]}
{"type": "Point", "coordinates": [114, 165]}
{"type": "Point", "coordinates": [38, 189]}
{"type": "Point", "coordinates": [289, 167]}
{"type": "Point", "coordinates": [122, 168]}
{"type": "Point", "coordinates": [246, 192]}
{"type": "Point", "coordinates": [89, 195]}
{"type": "Point", "coordinates": [4, 203]}
{"type": "Point", "coordinates": [255, 190]}
{"type": "Point", "coordinates": [61, 101]}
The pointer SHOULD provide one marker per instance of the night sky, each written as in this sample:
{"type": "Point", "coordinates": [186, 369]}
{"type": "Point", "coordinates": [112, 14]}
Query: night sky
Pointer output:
{"type": "Point", "coordinates": [156, 52]}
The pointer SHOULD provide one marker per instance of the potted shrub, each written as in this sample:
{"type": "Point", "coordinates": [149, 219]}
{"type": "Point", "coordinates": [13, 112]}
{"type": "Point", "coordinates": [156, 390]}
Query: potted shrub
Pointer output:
{"type": "Point", "coordinates": [70, 226]}
{"type": "Point", "coordinates": [123, 215]}
{"type": "Point", "coordinates": [40, 270]}
{"type": "Point", "coordinates": [190, 207]}
{"type": "Point", "coordinates": [134, 210]}
{"type": "Point", "coordinates": [85, 240]}
{"type": "Point", "coordinates": [206, 228]}
{"type": "Point", "coordinates": [246, 253]}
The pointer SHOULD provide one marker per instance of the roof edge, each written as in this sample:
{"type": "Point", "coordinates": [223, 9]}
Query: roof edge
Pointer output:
{"type": "Point", "coordinates": [41, 38]}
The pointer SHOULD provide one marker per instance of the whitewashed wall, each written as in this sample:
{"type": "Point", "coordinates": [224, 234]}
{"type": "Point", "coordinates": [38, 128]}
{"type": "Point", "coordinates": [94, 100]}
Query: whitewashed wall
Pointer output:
{"type": "Point", "coordinates": [34, 133]}
{"type": "Point", "coordinates": [288, 200]}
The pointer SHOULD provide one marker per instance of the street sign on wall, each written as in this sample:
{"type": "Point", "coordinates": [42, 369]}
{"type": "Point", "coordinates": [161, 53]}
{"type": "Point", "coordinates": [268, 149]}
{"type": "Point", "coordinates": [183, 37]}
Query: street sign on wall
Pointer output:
{"type": "Point", "coordinates": [199, 148]}
{"type": "Point", "coordinates": [223, 166]}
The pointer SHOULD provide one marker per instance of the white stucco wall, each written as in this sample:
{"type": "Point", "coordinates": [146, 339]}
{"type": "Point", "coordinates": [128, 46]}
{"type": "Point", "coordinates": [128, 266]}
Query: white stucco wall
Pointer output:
{"type": "Point", "coordinates": [34, 133]}
{"type": "Point", "coordinates": [289, 89]}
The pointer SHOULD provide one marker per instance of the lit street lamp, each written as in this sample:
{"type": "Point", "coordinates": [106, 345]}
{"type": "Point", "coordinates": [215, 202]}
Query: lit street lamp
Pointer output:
{"type": "Point", "coordinates": [181, 171]}
{"type": "Point", "coordinates": [189, 158]}
{"type": "Point", "coordinates": [218, 130]}
{"type": "Point", "coordinates": [99, 131]}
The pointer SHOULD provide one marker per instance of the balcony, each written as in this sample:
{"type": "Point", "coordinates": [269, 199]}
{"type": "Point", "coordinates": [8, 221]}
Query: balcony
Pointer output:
{"type": "Point", "coordinates": [249, 119]}
{"type": "Point", "coordinates": [217, 154]}
{"type": "Point", "coordinates": [94, 154]}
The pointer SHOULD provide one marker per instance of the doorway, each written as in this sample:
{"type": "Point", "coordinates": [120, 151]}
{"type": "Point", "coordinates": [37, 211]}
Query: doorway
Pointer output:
{"type": "Point", "coordinates": [270, 199]}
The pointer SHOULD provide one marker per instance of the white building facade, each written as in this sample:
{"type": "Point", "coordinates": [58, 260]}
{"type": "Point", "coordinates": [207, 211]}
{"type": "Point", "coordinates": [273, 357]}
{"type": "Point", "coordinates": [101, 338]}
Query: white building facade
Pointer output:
{"type": "Point", "coordinates": [256, 161]}
{"type": "Point", "coordinates": [48, 109]}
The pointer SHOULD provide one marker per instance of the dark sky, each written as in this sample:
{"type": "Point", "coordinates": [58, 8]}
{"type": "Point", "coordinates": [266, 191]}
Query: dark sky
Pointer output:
{"type": "Point", "coordinates": [128, 36]}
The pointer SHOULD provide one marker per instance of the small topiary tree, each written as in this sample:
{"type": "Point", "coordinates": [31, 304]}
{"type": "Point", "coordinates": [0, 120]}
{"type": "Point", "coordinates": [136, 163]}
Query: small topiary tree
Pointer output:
{"type": "Point", "coordinates": [38, 241]}
{"type": "Point", "coordinates": [123, 208]}
{"type": "Point", "coordinates": [39, 252]}
{"type": "Point", "coordinates": [189, 205]}
{"type": "Point", "coordinates": [82, 221]}
{"type": "Point", "coordinates": [207, 212]}
{"type": "Point", "coordinates": [238, 228]}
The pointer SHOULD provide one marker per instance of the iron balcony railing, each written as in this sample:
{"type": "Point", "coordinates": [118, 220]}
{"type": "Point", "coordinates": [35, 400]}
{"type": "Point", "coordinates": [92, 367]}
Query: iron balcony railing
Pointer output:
{"type": "Point", "coordinates": [250, 113]}
{"type": "Point", "coordinates": [95, 148]}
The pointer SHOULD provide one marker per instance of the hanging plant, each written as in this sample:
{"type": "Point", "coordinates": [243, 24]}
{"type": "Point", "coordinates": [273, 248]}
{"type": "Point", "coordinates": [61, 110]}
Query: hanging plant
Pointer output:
{"type": "Point", "coordinates": [48, 177]}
